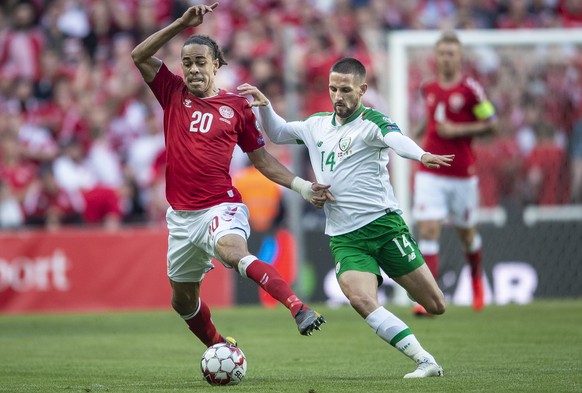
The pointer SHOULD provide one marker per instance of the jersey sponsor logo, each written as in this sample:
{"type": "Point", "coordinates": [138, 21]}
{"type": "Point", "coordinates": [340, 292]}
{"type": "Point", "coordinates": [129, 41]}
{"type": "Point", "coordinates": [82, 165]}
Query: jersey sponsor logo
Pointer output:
{"type": "Point", "coordinates": [456, 102]}
{"type": "Point", "coordinates": [226, 111]}
{"type": "Point", "coordinates": [188, 103]}
{"type": "Point", "coordinates": [338, 267]}
{"type": "Point", "coordinates": [387, 119]}
{"type": "Point", "coordinates": [319, 144]}
{"type": "Point", "coordinates": [257, 125]}
{"type": "Point", "coordinates": [344, 143]}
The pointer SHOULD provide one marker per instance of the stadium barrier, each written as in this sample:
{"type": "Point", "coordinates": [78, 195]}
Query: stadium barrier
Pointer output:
{"type": "Point", "coordinates": [92, 270]}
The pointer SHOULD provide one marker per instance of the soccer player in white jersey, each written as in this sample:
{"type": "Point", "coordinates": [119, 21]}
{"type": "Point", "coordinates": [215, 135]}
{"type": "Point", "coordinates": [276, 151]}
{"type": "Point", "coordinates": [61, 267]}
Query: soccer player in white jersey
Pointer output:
{"type": "Point", "coordinates": [348, 149]}
{"type": "Point", "coordinates": [202, 125]}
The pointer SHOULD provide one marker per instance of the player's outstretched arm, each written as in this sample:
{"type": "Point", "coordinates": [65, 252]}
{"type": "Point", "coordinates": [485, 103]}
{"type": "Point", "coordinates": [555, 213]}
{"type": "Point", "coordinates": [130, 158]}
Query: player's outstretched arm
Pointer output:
{"type": "Point", "coordinates": [407, 148]}
{"type": "Point", "coordinates": [143, 53]}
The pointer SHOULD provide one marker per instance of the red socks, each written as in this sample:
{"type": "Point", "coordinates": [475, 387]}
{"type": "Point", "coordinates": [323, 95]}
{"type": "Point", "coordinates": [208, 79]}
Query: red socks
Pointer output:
{"type": "Point", "coordinates": [267, 277]}
{"type": "Point", "coordinates": [432, 262]}
{"type": "Point", "coordinates": [201, 325]}
{"type": "Point", "coordinates": [474, 260]}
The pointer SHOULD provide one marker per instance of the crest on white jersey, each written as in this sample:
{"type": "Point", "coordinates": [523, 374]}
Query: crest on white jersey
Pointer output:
{"type": "Point", "coordinates": [226, 112]}
{"type": "Point", "coordinates": [344, 143]}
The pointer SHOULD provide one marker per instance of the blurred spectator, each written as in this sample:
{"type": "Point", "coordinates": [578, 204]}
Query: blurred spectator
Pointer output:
{"type": "Point", "coordinates": [476, 14]}
{"type": "Point", "coordinates": [518, 16]}
{"type": "Point", "coordinates": [71, 172]}
{"type": "Point", "coordinates": [48, 205]}
{"type": "Point", "coordinates": [142, 156]}
{"type": "Point", "coordinates": [435, 14]}
{"type": "Point", "coordinates": [570, 13]}
{"type": "Point", "coordinates": [11, 215]}
{"type": "Point", "coordinates": [97, 202]}
{"type": "Point", "coordinates": [21, 43]}
{"type": "Point", "coordinates": [51, 71]}
{"type": "Point", "coordinates": [103, 207]}
{"type": "Point", "coordinates": [544, 169]}
{"type": "Point", "coordinates": [157, 203]}
{"type": "Point", "coordinates": [16, 173]}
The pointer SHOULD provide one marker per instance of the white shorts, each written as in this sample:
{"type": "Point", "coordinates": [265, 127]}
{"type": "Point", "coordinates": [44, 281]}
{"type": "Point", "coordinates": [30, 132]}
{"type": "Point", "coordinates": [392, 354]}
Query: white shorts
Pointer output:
{"type": "Point", "coordinates": [446, 198]}
{"type": "Point", "coordinates": [193, 235]}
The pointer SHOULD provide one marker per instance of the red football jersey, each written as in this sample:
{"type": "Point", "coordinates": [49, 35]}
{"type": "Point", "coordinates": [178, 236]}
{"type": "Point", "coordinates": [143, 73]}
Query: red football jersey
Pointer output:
{"type": "Point", "coordinates": [200, 135]}
{"type": "Point", "coordinates": [455, 104]}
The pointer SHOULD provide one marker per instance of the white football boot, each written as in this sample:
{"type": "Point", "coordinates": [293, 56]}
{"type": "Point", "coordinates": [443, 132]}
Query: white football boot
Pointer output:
{"type": "Point", "coordinates": [426, 367]}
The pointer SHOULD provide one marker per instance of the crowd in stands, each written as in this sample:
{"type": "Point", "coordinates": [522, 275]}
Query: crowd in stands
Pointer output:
{"type": "Point", "coordinates": [81, 135]}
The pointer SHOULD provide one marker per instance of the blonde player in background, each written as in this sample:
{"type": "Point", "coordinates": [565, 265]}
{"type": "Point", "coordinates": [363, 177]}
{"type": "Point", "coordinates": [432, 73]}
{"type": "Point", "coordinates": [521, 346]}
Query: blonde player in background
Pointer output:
{"type": "Point", "coordinates": [456, 111]}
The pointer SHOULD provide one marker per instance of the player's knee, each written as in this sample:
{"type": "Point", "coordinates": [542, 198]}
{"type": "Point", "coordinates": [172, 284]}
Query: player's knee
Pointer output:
{"type": "Point", "coordinates": [363, 304]}
{"type": "Point", "coordinates": [182, 308]}
{"type": "Point", "coordinates": [436, 306]}
{"type": "Point", "coordinates": [184, 304]}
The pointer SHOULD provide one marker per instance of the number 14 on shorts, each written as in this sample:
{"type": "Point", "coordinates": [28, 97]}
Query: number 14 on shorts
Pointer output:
{"type": "Point", "coordinates": [403, 243]}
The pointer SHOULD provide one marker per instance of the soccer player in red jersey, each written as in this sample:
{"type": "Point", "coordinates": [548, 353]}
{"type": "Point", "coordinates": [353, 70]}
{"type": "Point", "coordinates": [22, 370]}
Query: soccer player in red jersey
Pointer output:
{"type": "Point", "coordinates": [456, 111]}
{"type": "Point", "coordinates": [206, 218]}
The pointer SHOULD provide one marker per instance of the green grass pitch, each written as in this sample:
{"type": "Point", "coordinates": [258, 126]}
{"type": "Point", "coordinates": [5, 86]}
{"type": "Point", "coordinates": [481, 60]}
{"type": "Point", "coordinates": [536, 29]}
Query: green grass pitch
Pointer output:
{"type": "Point", "coordinates": [533, 348]}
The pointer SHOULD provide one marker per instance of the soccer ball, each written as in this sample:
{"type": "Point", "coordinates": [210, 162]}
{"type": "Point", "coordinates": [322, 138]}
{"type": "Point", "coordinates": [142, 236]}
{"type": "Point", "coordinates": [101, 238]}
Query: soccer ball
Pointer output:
{"type": "Point", "coordinates": [223, 364]}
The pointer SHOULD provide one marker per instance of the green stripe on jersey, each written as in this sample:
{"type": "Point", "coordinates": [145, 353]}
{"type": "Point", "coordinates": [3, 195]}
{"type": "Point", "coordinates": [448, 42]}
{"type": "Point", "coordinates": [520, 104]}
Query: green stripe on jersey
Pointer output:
{"type": "Point", "coordinates": [384, 123]}
{"type": "Point", "coordinates": [400, 336]}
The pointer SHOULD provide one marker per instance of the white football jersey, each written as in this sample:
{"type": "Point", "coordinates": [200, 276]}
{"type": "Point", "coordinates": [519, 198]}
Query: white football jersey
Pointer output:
{"type": "Point", "coordinates": [352, 158]}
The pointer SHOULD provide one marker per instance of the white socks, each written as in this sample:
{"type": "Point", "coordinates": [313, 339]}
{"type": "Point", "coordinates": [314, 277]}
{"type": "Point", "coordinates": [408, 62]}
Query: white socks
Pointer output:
{"type": "Point", "coordinates": [395, 332]}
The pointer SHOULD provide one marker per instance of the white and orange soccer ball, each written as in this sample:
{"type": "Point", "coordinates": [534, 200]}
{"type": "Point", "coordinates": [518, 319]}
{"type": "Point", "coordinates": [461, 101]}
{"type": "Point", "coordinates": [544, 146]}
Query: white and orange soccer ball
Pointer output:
{"type": "Point", "coordinates": [223, 364]}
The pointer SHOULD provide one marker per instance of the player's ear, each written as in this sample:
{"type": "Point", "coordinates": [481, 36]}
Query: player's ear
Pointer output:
{"type": "Point", "coordinates": [215, 66]}
{"type": "Point", "coordinates": [363, 88]}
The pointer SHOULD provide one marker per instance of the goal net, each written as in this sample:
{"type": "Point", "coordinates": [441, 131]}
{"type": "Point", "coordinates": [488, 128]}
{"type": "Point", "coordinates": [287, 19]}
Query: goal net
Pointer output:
{"type": "Point", "coordinates": [530, 226]}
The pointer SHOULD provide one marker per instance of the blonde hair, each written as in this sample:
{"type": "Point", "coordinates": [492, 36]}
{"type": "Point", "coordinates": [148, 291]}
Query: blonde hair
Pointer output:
{"type": "Point", "coordinates": [449, 37]}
